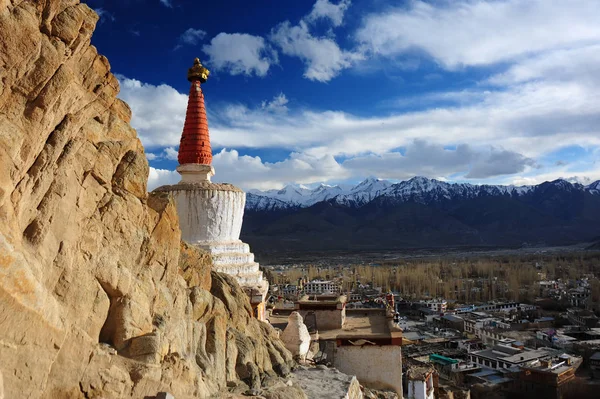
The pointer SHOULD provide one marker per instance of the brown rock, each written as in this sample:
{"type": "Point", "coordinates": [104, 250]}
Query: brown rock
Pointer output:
{"type": "Point", "coordinates": [98, 297]}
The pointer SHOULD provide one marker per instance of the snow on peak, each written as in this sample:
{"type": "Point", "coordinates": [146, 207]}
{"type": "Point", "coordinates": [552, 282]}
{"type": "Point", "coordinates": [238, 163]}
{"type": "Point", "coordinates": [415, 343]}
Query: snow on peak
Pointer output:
{"type": "Point", "coordinates": [371, 184]}
{"type": "Point", "coordinates": [594, 188]}
{"type": "Point", "coordinates": [419, 189]}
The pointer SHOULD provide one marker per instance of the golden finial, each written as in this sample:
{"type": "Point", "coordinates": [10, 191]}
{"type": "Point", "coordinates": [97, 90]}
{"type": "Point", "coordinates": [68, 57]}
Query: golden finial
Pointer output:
{"type": "Point", "coordinates": [198, 72]}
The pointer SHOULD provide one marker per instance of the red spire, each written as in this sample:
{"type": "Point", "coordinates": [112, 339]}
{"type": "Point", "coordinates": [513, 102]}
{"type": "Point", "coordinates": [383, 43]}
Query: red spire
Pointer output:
{"type": "Point", "coordinates": [195, 141]}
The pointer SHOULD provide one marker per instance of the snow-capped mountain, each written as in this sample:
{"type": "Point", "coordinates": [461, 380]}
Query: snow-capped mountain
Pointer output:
{"type": "Point", "coordinates": [418, 189]}
{"type": "Point", "coordinates": [421, 213]}
{"type": "Point", "coordinates": [594, 188]}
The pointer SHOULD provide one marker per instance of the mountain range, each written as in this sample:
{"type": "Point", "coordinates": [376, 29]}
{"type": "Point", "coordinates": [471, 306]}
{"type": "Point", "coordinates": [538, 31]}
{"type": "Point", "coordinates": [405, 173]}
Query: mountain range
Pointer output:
{"type": "Point", "coordinates": [421, 213]}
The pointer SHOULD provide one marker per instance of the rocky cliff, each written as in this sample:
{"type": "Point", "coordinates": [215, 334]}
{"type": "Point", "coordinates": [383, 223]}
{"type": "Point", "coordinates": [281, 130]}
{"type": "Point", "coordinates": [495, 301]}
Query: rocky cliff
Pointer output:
{"type": "Point", "coordinates": [98, 298]}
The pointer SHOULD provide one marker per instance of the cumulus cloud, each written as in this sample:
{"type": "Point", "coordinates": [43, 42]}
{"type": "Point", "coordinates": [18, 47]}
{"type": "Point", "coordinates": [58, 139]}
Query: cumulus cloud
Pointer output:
{"type": "Point", "coordinates": [327, 10]}
{"type": "Point", "coordinates": [277, 104]}
{"type": "Point", "coordinates": [501, 127]}
{"type": "Point", "coordinates": [156, 129]}
{"type": "Point", "coordinates": [532, 118]}
{"type": "Point", "coordinates": [170, 153]}
{"type": "Point", "coordinates": [580, 64]}
{"type": "Point", "coordinates": [240, 54]}
{"type": "Point", "coordinates": [322, 56]}
{"type": "Point", "coordinates": [476, 32]}
{"type": "Point", "coordinates": [251, 172]}
{"type": "Point", "coordinates": [419, 159]}
{"type": "Point", "coordinates": [162, 177]}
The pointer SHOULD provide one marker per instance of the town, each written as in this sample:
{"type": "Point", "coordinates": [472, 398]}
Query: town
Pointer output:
{"type": "Point", "coordinates": [452, 328]}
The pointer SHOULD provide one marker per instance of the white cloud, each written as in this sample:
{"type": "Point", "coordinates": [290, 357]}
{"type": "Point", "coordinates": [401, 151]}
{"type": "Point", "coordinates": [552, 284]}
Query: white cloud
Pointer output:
{"type": "Point", "coordinates": [278, 104]}
{"type": "Point", "coordinates": [582, 177]}
{"type": "Point", "coordinates": [158, 111]}
{"type": "Point", "coordinates": [531, 118]}
{"type": "Point", "coordinates": [477, 32]}
{"type": "Point", "coordinates": [251, 172]}
{"type": "Point", "coordinates": [543, 103]}
{"type": "Point", "coordinates": [170, 153]}
{"type": "Point", "coordinates": [240, 54]}
{"type": "Point", "coordinates": [192, 36]}
{"type": "Point", "coordinates": [104, 15]}
{"type": "Point", "coordinates": [151, 157]}
{"type": "Point", "coordinates": [166, 3]}
{"type": "Point", "coordinates": [325, 9]}
{"type": "Point", "coordinates": [581, 64]}
{"type": "Point", "coordinates": [420, 158]}
{"type": "Point", "coordinates": [162, 177]}
{"type": "Point", "coordinates": [322, 56]}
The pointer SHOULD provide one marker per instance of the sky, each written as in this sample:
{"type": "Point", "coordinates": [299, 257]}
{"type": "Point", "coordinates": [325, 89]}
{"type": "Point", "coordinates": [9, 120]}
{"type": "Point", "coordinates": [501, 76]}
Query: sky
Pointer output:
{"type": "Point", "coordinates": [334, 91]}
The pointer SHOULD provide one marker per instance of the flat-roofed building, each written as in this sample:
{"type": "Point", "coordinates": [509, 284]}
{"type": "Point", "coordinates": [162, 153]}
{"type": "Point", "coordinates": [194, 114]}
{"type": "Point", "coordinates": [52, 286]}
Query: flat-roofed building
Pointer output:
{"type": "Point", "coordinates": [505, 356]}
{"type": "Point", "coordinates": [320, 287]}
{"type": "Point", "coordinates": [420, 382]}
{"type": "Point", "coordinates": [547, 378]}
{"type": "Point", "coordinates": [436, 305]}
{"type": "Point", "coordinates": [366, 344]}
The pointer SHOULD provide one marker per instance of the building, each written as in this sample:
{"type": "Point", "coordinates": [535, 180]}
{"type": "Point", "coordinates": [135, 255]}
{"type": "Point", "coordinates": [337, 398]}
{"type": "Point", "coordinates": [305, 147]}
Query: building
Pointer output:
{"type": "Point", "coordinates": [595, 365]}
{"type": "Point", "coordinates": [547, 378]}
{"type": "Point", "coordinates": [290, 290]}
{"type": "Point", "coordinates": [320, 287]}
{"type": "Point", "coordinates": [498, 307]}
{"type": "Point", "coordinates": [328, 312]}
{"type": "Point", "coordinates": [452, 370]}
{"type": "Point", "coordinates": [505, 356]}
{"type": "Point", "coordinates": [554, 338]}
{"type": "Point", "coordinates": [369, 347]}
{"type": "Point", "coordinates": [211, 215]}
{"type": "Point", "coordinates": [437, 305]}
{"type": "Point", "coordinates": [420, 383]}
{"type": "Point", "coordinates": [579, 296]}
{"type": "Point", "coordinates": [363, 342]}
{"type": "Point", "coordinates": [582, 317]}
{"type": "Point", "coordinates": [452, 321]}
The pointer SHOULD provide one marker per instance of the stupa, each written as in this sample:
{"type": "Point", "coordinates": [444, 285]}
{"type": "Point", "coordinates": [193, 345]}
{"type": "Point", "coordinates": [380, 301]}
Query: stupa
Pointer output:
{"type": "Point", "coordinates": [211, 214]}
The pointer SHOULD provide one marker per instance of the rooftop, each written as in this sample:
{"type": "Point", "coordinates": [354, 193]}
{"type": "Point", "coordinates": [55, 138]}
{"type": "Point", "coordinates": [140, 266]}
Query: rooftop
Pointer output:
{"type": "Point", "coordinates": [515, 355]}
{"type": "Point", "coordinates": [363, 324]}
{"type": "Point", "coordinates": [419, 373]}
{"type": "Point", "coordinates": [556, 365]}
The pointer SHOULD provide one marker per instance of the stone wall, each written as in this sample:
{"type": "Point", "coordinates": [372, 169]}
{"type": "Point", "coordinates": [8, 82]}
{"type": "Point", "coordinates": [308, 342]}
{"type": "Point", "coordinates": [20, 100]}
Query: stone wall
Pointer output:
{"type": "Point", "coordinates": [97, 297]}
{"type": "Point", "coordinates": [375, 366]}
{"type": "Point", "coordinates": [327, 319]}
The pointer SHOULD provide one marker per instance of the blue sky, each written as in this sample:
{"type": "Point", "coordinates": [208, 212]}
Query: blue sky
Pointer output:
{"type": "Point", "coordinates": [309, 91]}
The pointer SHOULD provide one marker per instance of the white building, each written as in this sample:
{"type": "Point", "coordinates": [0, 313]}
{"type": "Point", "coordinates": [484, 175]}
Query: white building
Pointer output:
{"type": "Point", "coordinates": [289, 290]}
{"type": "Point", "coordinates": [437, 305]}
{"type": "Point", "coordinates": [319, 287]}
{"type": "Point", "coordinates": [504, 356]}
{"type": "Point", "coordinates": [420, 383]}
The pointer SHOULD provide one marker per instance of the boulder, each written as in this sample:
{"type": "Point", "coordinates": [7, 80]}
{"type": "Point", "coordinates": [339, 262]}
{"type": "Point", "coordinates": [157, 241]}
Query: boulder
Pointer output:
{"type": "Point", "coordinates": [296, 337]}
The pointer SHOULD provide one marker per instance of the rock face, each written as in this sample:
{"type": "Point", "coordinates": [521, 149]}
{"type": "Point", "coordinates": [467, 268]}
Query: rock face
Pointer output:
{"type": "Point", "coordinates": [98, 297]}
{"type": "Point", "coordinates": [296, 336]}
{"type": "Point", "coordinates": [324, 383]}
